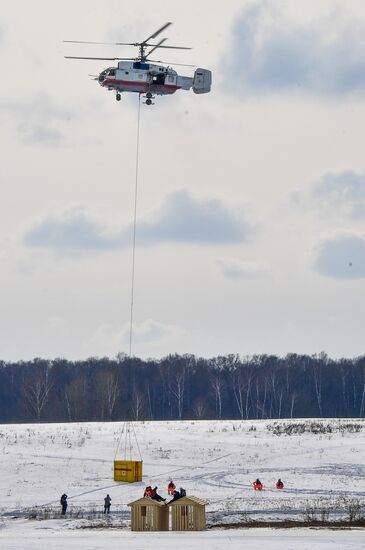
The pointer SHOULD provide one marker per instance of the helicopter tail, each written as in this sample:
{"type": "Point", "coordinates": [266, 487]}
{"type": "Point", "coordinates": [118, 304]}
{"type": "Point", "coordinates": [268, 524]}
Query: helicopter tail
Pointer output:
{"type": "Point", "coordinates": [202, 81]}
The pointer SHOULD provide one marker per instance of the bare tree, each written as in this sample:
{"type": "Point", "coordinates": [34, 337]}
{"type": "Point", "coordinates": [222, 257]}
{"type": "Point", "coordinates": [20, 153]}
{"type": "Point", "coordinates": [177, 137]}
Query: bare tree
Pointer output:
{"type": "Point", "coordinates": [107, 390]}
{"type": "Point", "coordinates": [199, 408]}
{"type": "Point", "coordinates": [238, 387]}
{"type": "Point", "coordinates": [177, 389]}
{"type": "Point", "coordinates": [36, 391]}
{"type": "Point", "coordinates": [112, 391]}
{"type": "Point", "coordinates": [241, 385]}
{"type": "Point", "coordinates": [149, 402]}
{"type": "Point", "coordinates": [75, 398]}
{"type": "Point", "coordinates": [362, 405]}
{"type": "Point", "coordinates": [218, 387]}
{"type": "Point", "coordinates": [294, 396]}
{"type": "Point", "coordinates": [317, 377]}
{"type": "Point", "coordinates": [262, 406]}
{"type": "Point", "coordinates": [138, 404]}
{"type": "Point", "coordinates": [280, 402]}
{"type": "Point", "coordinates": [345, 406]}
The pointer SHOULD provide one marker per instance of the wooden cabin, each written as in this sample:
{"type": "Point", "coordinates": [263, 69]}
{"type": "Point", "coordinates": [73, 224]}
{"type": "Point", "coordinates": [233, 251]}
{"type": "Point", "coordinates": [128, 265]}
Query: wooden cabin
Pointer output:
{"type": "Point", "coordinates": [188, 514]}
{"type": "Point", "coordinates": [149, 515]}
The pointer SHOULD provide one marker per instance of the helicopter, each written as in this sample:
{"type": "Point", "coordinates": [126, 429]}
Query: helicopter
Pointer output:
{"type": "Point", "coordinates": [145, 76]}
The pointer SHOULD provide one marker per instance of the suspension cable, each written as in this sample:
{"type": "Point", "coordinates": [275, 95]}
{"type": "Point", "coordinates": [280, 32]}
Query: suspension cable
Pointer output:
{"type": "Point", "coordinates": [134, 227]}
{"type": "Point", "coordinates": [119, 441]}
{"type": "Point", "coordinates": [135, 437]}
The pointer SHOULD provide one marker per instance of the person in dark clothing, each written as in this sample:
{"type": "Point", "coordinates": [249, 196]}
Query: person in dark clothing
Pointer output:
{"type": "Point", "coordinates": [175, 496]}
{"type": "Point", "coordinates": [107, 503]}
{"type": "Point", "coordinates": [156, 496]}
{"type": "Point", "coordinates": [63, 502]}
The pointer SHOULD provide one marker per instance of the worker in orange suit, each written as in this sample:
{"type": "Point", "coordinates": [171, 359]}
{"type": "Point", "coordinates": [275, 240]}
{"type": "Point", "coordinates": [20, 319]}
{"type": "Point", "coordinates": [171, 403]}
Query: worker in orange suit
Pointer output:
{"type": "Point", "coordinates": [279, 484]}
{"type": "Point", "coordinates": [257, 485]}
{"type": "Point", "coordinates": [171, 488]}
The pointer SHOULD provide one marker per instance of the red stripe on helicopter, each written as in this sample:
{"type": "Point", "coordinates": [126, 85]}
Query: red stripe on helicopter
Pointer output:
{"type": "Point", "coordinates": [135, 83]}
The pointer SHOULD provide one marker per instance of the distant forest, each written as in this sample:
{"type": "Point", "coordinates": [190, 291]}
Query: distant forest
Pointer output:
{"type": "Point", "coordinates": [182, 387]}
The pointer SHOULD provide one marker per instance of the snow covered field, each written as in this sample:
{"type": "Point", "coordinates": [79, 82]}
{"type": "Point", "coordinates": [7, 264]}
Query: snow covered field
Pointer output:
{"type": "Point", "coordinates": [25, 535]}
{"type": "Point", "coordinates": [210, 459]}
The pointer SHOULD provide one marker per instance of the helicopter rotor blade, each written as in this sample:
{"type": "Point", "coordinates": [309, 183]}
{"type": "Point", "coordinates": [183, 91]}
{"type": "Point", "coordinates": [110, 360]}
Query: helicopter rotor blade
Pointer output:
{"type": "Point", "coordinates": [104, 43]}
{"type": "Point", "coordinates": [85, 42]}
{"type": "Point", "coordinates": [172, 47]}
{"type": "Point", "coordinates": [170, 63]}
{"type": "Point", "coordinates": [101, 58]}
{"type": "Point", "coordinates": [157, 46]}
{"type": "Point", "coordinates": [156, 33]}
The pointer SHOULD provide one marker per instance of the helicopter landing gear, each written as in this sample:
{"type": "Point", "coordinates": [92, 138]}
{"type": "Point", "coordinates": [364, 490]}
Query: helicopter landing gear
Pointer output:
{"type": "Point", "coordinates": [149, 97]}
{"type": "Point", "coordinates": [118, 97]}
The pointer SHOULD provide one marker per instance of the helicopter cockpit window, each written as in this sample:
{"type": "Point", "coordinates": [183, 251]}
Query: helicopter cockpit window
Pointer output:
{"type": "Point", "coordinates": [112, 72]}
{"type": "Point", "coordinates": [102, 76]}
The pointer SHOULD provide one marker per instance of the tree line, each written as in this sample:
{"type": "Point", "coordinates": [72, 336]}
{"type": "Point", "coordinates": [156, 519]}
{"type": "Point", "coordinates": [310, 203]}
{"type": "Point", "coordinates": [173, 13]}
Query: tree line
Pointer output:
{"type": "Point", "coordinates": [182, 387]}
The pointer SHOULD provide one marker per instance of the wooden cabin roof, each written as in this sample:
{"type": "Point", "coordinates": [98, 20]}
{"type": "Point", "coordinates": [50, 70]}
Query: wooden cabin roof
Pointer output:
{"type": "Point", "coordinates": [185, 501]}
{"type": "Point", "coordinates": [146, 501]}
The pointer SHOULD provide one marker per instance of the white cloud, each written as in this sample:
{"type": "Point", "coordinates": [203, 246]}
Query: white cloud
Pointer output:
{"type": "Point", "coordinates": [37, 118]}
{"type": "Point", "coordinates": [342, 257]}
{"type": "Point", "coordinates": [73, 230]}
{"type": "Point", "coordinates": [336, 193]}
{"type": "Point", "coordinates": [272, 53]}
{"type": "Point", "coordinates": [109, 340]}
{"type": "Point", "coordinates": [335, 197]}
{"type": "Point", "coordinates": [181, 219]}
{"type": "Point", "coordinates": [239, 269]}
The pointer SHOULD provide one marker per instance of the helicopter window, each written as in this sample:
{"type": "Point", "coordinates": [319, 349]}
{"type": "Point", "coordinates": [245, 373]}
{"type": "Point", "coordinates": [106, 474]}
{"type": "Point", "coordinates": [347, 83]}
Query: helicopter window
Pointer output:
{"type": "Point", "coordinates": [112, 72]}
{"type": "Point", "coordinates": [159, 79]}
{"type": "Point", "coordinates": [102, 76]}
{"type": "Point", "coordinates": [139, 65]}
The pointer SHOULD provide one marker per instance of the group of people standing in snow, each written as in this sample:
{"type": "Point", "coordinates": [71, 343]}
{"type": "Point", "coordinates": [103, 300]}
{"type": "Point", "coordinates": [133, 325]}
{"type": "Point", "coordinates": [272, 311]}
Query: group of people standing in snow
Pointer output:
{"type": "Point", "coordinates": [149, 492]}
{"type": "Point", "coordinates": [171, 491]}
{"type": "Point", "coordinates": [63, 502]}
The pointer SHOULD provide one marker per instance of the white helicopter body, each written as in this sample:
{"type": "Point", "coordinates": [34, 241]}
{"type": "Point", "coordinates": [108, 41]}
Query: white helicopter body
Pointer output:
{"type": "Point", "coordinates": [135, 76]}
{"type": "Point", "coordinates": [141, 75]}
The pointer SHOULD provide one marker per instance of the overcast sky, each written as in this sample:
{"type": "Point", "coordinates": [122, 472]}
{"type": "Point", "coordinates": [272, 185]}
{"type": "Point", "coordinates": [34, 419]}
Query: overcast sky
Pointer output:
{"type": "Point", "coordinates": [251, 233]}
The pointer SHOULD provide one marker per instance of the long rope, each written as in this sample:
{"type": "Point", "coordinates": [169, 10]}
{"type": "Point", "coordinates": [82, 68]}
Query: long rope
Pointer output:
{"type": "Point", "coordinates": [135, 437]}
{"type": "Point", "coordinates": [119, 441]}
{"type": "Point", "coordinates": [126, 427]}
{"type": "Point", "coordinates": [134, 227]}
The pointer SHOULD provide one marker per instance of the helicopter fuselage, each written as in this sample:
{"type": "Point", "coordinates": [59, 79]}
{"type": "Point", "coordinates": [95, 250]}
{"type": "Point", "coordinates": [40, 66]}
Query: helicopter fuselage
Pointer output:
{"type": "Point", "coordinates": [141, 75]}
{"type": "Point", "coordinates": [136, 76]}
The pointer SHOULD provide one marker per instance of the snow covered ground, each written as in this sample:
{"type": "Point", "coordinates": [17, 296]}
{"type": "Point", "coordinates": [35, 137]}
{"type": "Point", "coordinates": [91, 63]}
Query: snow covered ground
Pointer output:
{"type": "Point", "coordinates": [25, 535]}
{"type": "Point", "coordinates": [214, 460]}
